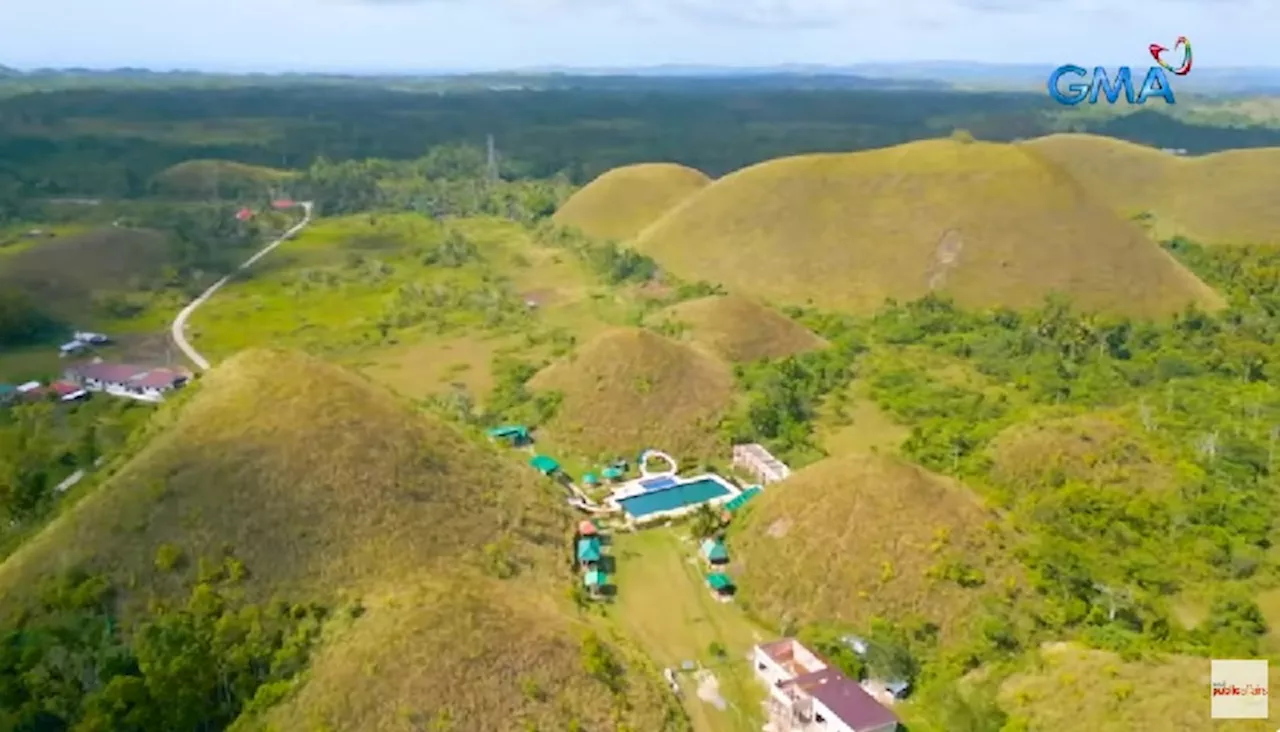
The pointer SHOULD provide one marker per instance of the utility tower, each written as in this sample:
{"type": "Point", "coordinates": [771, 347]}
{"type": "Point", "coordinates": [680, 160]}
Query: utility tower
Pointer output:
{"type": "Point", "coordinates": [491, 166]}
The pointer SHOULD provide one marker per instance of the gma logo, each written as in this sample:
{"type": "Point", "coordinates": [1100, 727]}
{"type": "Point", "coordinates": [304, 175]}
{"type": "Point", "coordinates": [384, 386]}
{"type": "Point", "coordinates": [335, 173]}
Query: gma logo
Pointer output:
{"type": "Point", "coordinates": [1155, 84]}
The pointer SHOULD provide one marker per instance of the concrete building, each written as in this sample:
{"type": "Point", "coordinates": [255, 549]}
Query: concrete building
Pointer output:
{"type": "Point", "coordinates": [806, 694]}
{"type": "Point", "coordinates": [758, 461]}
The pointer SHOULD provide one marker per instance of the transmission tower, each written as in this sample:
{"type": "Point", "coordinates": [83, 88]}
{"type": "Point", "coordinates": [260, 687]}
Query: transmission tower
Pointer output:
{"type": "Point", "coordinates": [491, 166]}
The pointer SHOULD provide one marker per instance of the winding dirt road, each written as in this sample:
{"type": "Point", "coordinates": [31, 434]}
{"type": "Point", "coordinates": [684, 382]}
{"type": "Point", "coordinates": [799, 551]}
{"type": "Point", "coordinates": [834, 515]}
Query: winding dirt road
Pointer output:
{"type": "Point", "coordinates": [178, 330]}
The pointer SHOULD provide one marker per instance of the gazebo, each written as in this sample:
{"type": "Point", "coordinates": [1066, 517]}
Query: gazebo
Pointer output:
{"type": "Point", "coordinates": [516, 434]}
{"type": "Point", "coordinates": [715, 552]}
{"type": "Point", "coordinates": [612, 473]}
{"type": "Point", "coordinates": [591, 479]}
{"type": "Point", "coordinates": [595, 580]}
{"type": "Point", "coordinates": [545, 465]}
{"type": "Point", "coordinates": [589, 551]}
{"type": "Point", "coordinates": [720, 584]}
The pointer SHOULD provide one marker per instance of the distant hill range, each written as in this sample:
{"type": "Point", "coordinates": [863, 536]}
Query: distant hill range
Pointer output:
{"type": "Point", "coordinates": [907, 75]}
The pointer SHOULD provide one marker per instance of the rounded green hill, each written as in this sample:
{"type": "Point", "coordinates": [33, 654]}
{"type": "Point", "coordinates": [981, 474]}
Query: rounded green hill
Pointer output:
{"type": "Point", "coordinates": [740, 329]}
{"type": "Point", "coordinates": [622, 201]}
{"type": "Point", "coordinates": [990, 224]}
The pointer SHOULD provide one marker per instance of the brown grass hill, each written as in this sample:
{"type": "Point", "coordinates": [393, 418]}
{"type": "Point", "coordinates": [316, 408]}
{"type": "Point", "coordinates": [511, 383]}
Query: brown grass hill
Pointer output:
{"type": "Point", "coordinates": [740, 329]}
{"type": "Point", "coordinates": [63, 274]}
{"type": "Point", "coordinates": [330, 490]}
{"type": "Point", "coordinates": [1097, 449]}
{"type": "Point", "coordinates": [1075, 689]}
{"type": "Point", "coordinates": [862, 536]}
{"type": "Point", "coordinates": [631, 389]}
{"type": "Point", "coordinates": [1223, 198]}
{"type": "Point", "coordinates": [989, 224]}
{"type": "Point", "coordinates": [622, 201]}
{"type": "Point", "coordinates": [206, 178]}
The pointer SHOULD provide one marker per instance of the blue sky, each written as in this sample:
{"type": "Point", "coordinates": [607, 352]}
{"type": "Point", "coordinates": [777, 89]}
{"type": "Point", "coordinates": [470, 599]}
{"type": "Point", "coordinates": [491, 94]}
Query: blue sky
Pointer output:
{"type": "Point", "coordinates": [418, 35]}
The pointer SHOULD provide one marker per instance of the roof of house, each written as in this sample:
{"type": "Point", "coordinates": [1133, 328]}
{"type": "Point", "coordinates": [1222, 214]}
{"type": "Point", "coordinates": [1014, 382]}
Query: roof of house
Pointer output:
{"type": "Point", "coordinates": [612, 473]}
{"type": "Point", "coordinates": [29, 386]}
{"type": "Point", "coordinates": [595, 578]}
{"type": "Point", "coordinates": [157, 378]}
{"type": "Point", "coordinates": [7, 388]}
{"type": "Point", "coordinates": [587, 528]}
{"type": "Point", "coordinates": [589, 549]}
{"type": "Point", "coordinates": [714, 550]}
{"type": "Point", "coordinates": [851, 703]}
{"type": "Point", "coordinates": [63, 388]}
{"type": "Point", "coordinates": [510, 430]}
{"type": "Point", "coordinates": [108, 372]}
{"type": "Point", "coordinates": [719, 581]}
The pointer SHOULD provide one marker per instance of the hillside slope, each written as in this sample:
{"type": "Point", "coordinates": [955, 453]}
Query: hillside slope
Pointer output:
{"type": "Point", "coordinates": [990, 224]}
{"type": "Point", "coordinates": [631, 389]}
{"type": "Point", "coordinates": [1223, 198]}
{"type": "Point", "coordinates": [740, 329]}
{"type": "Point", "coordinates": [622, 201]}
{"type": "Point", "coordinates": [862, 536]}
{"type": "Point", "coordinates": [331, 491]}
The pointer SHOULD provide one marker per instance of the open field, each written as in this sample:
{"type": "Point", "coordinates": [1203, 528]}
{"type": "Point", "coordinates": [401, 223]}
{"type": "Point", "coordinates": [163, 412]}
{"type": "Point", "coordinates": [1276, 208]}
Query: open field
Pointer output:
{"type": "Point", "coordinates": [621, 202]}
{"type": "Point", "coordinates": [664, 606]}
{"type": "Point", "coordinates": [988, 224]}
{"type": "Point", "coordinates": [1223, 198]}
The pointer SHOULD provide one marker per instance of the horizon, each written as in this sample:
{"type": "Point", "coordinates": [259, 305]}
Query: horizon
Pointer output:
{"type": "Point", "coordinates": [364, 36]}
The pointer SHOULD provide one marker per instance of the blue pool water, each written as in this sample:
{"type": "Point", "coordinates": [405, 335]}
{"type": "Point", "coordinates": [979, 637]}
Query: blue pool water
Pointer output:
{"type": "Point", "coordinates": [659, 483]}
{"type": "Point", "coordinates": [678, 495]}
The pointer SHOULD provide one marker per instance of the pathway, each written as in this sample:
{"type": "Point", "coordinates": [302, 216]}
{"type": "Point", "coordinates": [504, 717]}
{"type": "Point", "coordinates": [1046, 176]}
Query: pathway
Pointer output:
{"type": "Point", "coordinates": [180, 322]}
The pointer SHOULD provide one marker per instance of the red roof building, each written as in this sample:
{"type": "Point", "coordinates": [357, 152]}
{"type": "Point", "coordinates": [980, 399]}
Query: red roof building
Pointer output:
{"type": "Point", "coordinates": [283, 203]}
{"type": "Point", "coordinates": [244, 214]}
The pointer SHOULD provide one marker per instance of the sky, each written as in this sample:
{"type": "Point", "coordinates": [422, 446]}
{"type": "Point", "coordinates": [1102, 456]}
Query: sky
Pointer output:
{"type": "Point", "coordinates": [477, 35]}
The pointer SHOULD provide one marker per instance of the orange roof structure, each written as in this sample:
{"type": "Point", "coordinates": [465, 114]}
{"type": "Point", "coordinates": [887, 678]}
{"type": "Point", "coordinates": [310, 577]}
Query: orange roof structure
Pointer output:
{"type": "Point", "coordinates": [587, 528]}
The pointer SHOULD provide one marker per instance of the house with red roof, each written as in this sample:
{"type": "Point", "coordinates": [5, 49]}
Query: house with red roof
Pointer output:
{"type": "Point", "coordinates": [132, 382]}
{"type": "Point", "coordinates": [806, 694]}
{"type": "Point", "coordinates": [244, 214]}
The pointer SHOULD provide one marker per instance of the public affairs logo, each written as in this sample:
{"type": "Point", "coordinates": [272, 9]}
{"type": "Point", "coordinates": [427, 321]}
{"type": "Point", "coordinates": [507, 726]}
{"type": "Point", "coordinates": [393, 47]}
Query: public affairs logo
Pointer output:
{"type": "Point", "coordinates": [1154, 84]}
{"type": "Point", "coordinates": [1238, 689]}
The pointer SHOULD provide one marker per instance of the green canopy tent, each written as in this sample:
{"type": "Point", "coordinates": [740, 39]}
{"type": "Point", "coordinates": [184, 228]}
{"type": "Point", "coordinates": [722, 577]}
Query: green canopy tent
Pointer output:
{"type": "Point", "coordinates": [714, 551]}
{"type": "Point", "coordinates": [589, 549]}
{"type": "Point", "coordinates": [612, 473]}
{"type": "Point", "coordinates": [590, 479]}
{"type": "Point", "coordinates": [516, 432]}
{"type": "Point", "coordinates": [720, 583]}
{"type": "Point", "coordinates": [544, 464]}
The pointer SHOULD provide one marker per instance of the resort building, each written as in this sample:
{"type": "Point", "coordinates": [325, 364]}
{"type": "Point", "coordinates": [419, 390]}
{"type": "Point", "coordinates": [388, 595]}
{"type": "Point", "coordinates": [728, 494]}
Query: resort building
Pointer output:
{"type": "Point", "coordinates": [806, 694]}
{"type": "Point", "coordinates": [758, 461]}
{"type": "Point", "coordinates": [133, 382]}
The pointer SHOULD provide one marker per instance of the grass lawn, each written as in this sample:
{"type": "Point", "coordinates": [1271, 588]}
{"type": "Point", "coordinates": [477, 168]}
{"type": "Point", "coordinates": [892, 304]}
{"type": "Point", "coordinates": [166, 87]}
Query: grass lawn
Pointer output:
{"type": "Point", "coordinates": [664, 606]}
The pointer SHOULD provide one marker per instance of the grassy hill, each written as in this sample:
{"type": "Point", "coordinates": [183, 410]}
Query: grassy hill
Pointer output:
{"type": "Point", "coordinates": [740, 329]}
{"type": "Point", "coordinates": [990, 224]}
{"type": "Point", "coordinates": [1223, 198]}
{"type": "Point", "coordinates": [330, 490]}
{"type": "Point", "coordinates": [862, 536]}
{"type": "Point", "coordinates": [1093, 448]}
{"type": "Point", "coordinates": [1074, 689]}
{"type": "Point", "coordinates": [62, 274]}
{"type": "Point", "coordinates": [631, 389]}
{"type": "Point", "coordinates": [205, 178]}
{"type": "Point", "coordinates": [622, 201]}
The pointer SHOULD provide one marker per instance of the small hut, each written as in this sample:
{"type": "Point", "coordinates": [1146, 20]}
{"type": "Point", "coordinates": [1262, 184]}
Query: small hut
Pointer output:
{"type": "Point", "coordinates": [590, 480]}
{"type": "Point", "coordinates": [589, 551]}
{"type": "Point", "coordinates": [545, 465]}
{"type": "Point", "coordinates": [612, 473]}
{"type": "Point", "coordinates": [715, 552]}
{"type": "Point", "coordinates": [720, 584]}
{"type": "Point", "coordinates": [595, 580]}
{"type": "Point", "coordinates": [515, 434]}
{"type": "Point", "coordinates": [588, 528]}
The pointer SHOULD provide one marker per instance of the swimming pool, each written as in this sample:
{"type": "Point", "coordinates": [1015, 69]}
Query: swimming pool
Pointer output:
{"type": "Point", "coordinates": [674, 497]}
{"type": "Point", "coordinates": [660, 483]}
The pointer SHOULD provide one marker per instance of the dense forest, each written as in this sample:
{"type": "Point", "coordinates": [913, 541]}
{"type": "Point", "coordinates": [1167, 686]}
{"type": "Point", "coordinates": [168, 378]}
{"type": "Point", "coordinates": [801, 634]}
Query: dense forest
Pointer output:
{"type": "Point", "coordinates": [113, 142]}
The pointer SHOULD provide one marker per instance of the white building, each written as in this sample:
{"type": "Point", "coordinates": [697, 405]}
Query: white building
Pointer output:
{"type": "Point", "coordinates": [758, 461]}
{"type": "Point", "coordinates": [806, 694]}
{"type": "Point", "coordinates": [133, 382]}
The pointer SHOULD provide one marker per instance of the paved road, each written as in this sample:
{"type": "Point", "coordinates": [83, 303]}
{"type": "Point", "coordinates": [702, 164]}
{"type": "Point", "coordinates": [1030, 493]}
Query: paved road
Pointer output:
{"type": "Point", "coordinates": [180, 322]}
